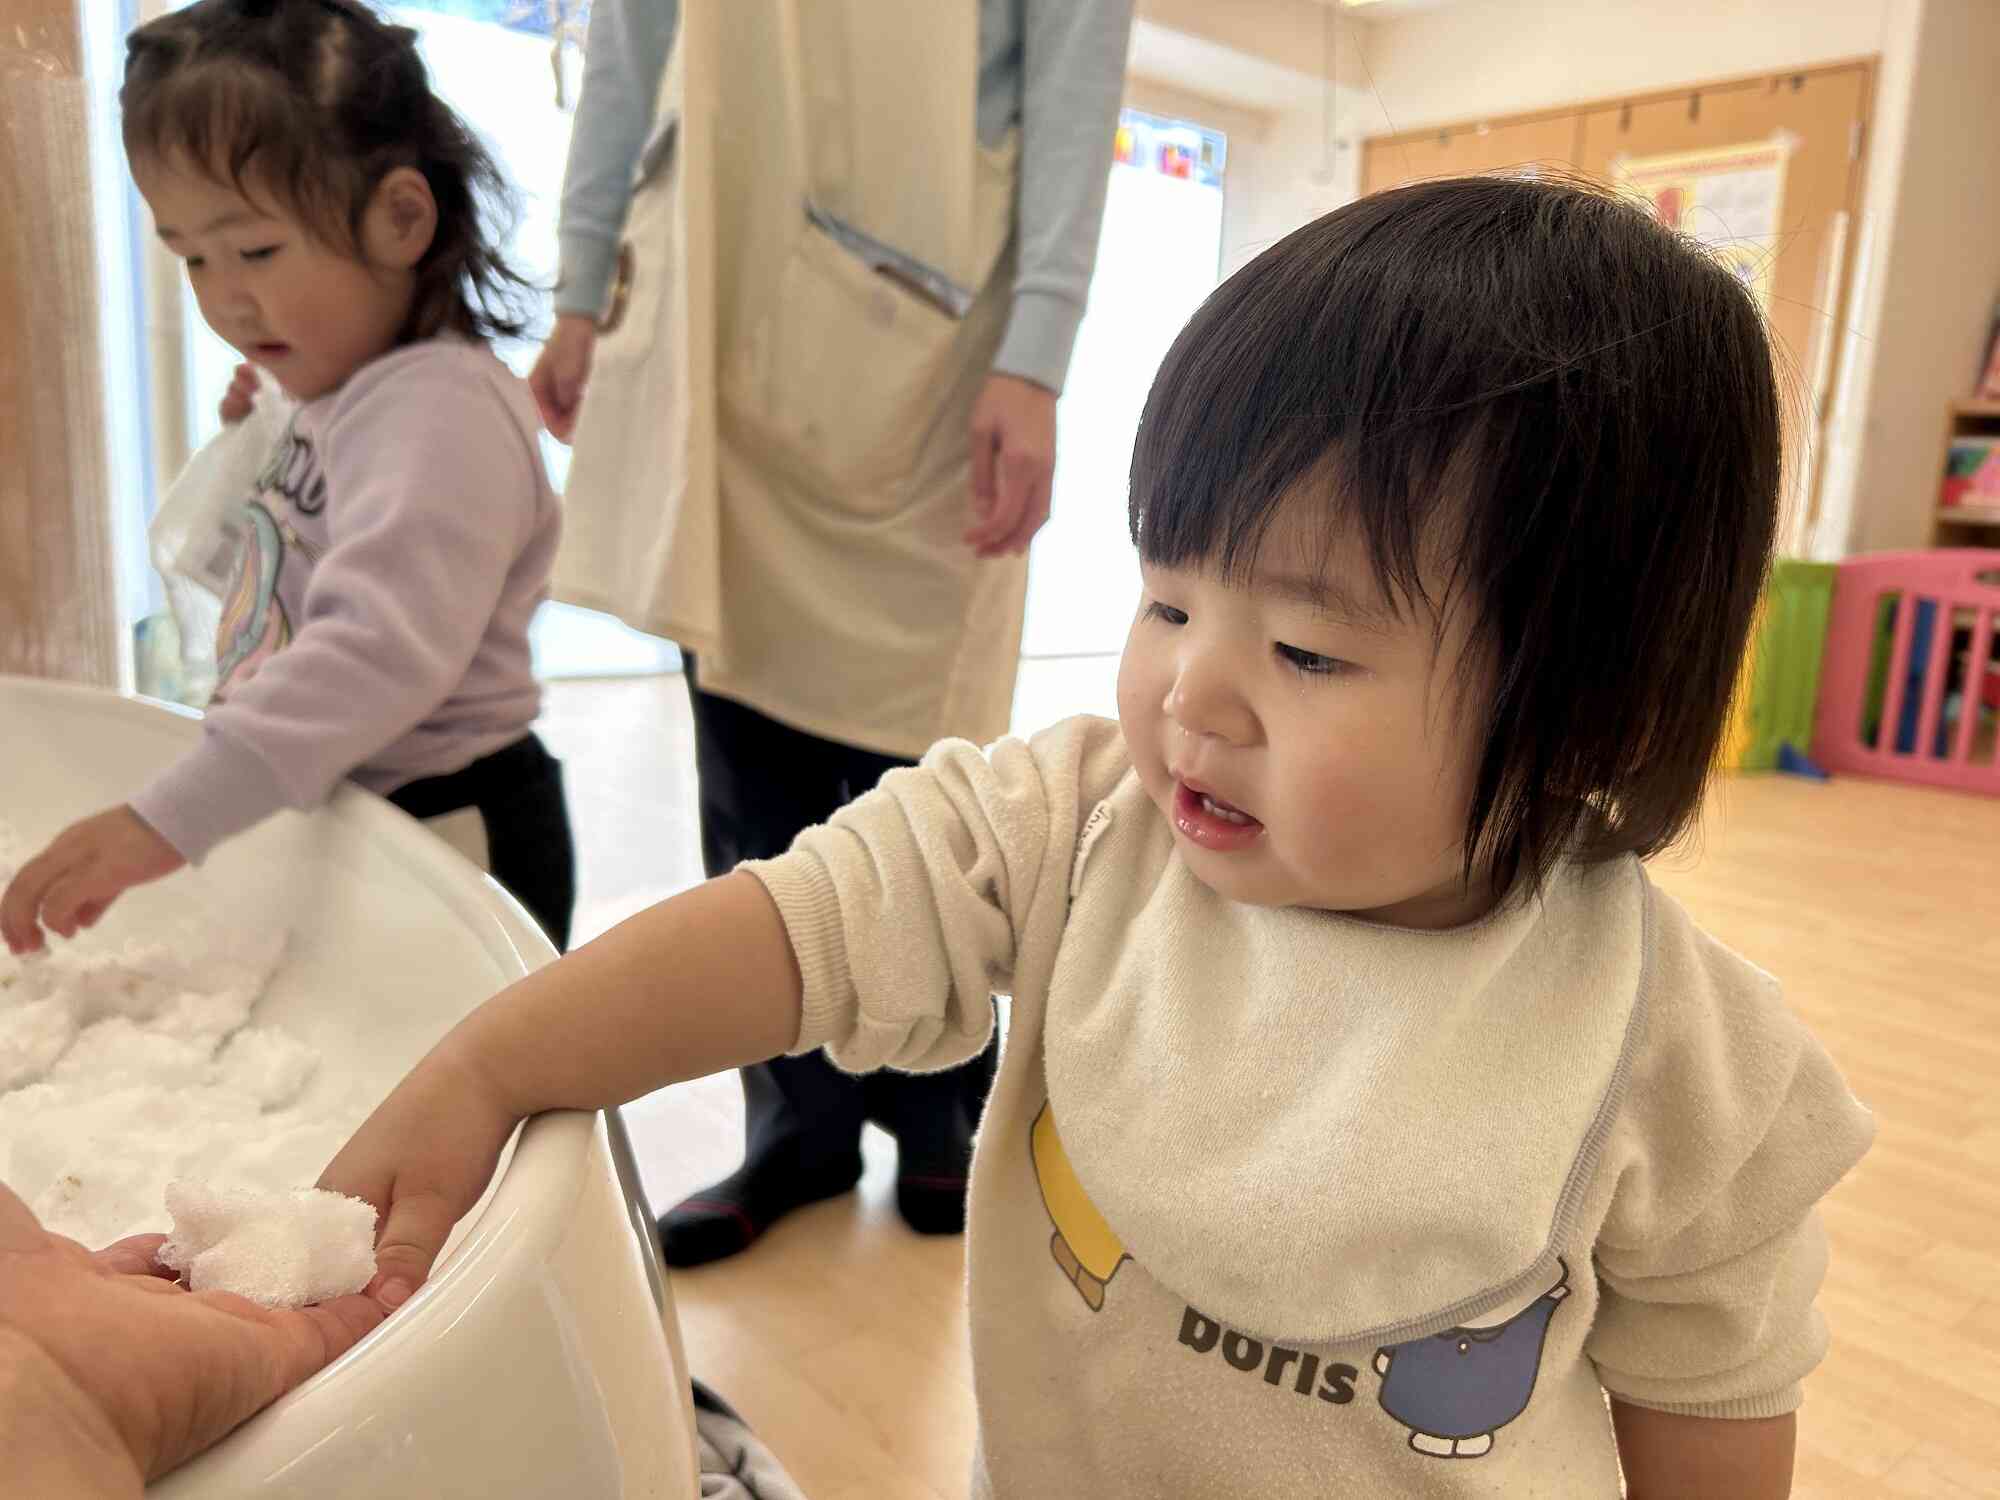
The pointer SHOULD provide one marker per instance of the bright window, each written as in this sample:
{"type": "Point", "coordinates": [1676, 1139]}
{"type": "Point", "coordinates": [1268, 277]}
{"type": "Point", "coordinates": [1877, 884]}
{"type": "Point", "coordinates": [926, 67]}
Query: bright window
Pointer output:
{"type": "Point", "coordinates": [1159, 254]}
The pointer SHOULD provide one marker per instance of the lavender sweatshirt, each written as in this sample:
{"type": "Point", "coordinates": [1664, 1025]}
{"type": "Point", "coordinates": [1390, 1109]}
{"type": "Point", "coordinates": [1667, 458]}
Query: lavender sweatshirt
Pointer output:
{"type": "Point", "coordinates": [399, 540]}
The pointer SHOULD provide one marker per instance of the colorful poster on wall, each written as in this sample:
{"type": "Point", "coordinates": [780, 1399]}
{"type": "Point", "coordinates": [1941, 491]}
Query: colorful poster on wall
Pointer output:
{"type": "Point", "coordinates": [1727, 197]}
{"type": "Point", "coordinates": [1172, 148]}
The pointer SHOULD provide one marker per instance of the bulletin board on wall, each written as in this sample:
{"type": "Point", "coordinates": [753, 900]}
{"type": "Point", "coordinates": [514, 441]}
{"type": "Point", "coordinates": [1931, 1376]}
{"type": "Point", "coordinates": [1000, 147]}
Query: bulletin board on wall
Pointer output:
{"type": "Point", "coordinates": [1766, 169]}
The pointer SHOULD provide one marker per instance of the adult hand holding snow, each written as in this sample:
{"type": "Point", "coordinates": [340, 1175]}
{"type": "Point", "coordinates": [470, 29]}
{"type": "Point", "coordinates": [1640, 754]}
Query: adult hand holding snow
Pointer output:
{"type": "Point", "coordinates": [115, 1375]}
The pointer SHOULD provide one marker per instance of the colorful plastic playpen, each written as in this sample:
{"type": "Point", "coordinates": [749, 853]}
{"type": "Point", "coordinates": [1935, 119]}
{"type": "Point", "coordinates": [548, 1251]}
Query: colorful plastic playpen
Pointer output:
{"type": "Point", "coordinates": [1886, 664]}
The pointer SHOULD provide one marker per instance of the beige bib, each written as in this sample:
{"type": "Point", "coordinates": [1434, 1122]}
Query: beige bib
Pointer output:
{"type": "Point", "coordinates": [1175, 1060]}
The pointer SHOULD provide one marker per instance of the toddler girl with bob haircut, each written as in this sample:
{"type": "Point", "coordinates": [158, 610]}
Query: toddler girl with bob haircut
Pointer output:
{"type": "Point", "coordinates": [1366, 1117]}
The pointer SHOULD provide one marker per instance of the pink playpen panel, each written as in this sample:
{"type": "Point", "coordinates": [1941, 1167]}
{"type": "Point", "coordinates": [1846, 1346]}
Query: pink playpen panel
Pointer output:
{"type": "Point", "coordinates": [1932, 717]}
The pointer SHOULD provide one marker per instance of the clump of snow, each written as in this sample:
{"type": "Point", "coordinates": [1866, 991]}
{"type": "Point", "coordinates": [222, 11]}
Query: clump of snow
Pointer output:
{"type": "Point", "coordinates": [126, 1065]}
{"type": "Point", "coordinates": [280, 1249]}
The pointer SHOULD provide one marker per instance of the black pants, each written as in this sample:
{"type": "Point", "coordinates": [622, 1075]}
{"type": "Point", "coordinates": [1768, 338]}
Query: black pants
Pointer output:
{"type": "Point", "coordinates": [762, 784]}
{"type": "Point", "coordinates": [518, 790]}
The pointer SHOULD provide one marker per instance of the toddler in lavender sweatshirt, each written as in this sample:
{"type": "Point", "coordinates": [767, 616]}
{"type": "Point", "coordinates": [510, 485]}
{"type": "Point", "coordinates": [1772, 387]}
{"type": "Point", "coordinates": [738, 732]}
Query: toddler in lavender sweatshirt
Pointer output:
{"type": "Point", "coordinates": [398, 540]}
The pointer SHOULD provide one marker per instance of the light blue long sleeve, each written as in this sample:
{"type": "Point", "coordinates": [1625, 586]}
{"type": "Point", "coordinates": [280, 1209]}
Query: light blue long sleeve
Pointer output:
{"type": "Point", "coordinates": [1054, 67]}
{"type": "Point", "coordinates": [1071, 74]}
{"type": "Point", "coordinates": [624, 55]}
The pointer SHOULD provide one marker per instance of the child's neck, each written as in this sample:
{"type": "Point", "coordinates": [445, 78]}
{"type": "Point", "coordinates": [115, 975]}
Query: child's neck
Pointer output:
{"type": "Point", "coordinates": [1456, 903]}
{"type": "Point", "coordinates": [376, 358]}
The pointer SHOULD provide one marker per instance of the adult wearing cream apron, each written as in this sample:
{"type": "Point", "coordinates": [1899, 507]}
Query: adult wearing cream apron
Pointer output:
{"type": "Point", "coordinates": [822, 362]}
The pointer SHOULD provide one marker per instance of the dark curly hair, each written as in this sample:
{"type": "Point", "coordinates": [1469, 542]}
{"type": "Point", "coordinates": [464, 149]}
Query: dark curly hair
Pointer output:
{"type": "Point", "coordinates": [315, 102]}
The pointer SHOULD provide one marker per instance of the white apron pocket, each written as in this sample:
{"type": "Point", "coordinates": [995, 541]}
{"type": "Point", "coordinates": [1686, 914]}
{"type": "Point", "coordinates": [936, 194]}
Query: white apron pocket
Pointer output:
{"type": "Point", "coordinates": [844, 376]}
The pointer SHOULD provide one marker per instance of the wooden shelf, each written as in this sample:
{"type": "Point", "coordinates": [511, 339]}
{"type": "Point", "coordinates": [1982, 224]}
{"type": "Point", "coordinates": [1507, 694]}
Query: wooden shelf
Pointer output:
{"type": "Point", "coordinates": [1967, 525]}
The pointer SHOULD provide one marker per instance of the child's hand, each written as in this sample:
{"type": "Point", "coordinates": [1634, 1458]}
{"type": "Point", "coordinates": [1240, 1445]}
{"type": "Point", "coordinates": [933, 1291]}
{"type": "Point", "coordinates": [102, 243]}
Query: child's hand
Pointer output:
{"type": "Point", "coordinates": [241, 396]}
{"type": "Point", "coordinates": [91, 864]}
{"type": "Point", "coordinates": [423, 1158]}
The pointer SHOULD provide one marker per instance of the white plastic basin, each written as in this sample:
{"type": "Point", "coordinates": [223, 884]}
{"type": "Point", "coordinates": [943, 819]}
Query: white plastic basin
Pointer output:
{"type": "Point", "coordinates": [543, 1357]}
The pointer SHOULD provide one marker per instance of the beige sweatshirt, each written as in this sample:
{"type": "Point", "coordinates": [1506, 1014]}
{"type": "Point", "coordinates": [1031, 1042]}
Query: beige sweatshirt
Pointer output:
{"type": "Point", "coordinates": [1267, 1198]}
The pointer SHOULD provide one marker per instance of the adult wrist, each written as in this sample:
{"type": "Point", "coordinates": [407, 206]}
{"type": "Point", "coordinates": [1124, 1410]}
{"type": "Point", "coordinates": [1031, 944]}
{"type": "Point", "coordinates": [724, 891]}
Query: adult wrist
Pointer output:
{"type": "Point", "coordinates": [589, 262]}
{"type": "Point", "coordinates": [1040, 337]}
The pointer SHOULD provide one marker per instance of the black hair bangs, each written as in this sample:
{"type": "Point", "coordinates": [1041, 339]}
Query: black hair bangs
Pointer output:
{"type": "Point", "coordinates": [1284, 386]}
{"type": "Point", "coordinates": [240, 128]}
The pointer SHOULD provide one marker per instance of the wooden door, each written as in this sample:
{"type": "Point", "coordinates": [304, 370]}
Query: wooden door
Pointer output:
{"type": "Point", "coordinates": [1822, 112]}
{"type": "Point", "coordinates": [1825, 114]}
{"type": "Point", "coordinates": [58, 615]}
{"type": "Point", "coordinates": [1498, 146]}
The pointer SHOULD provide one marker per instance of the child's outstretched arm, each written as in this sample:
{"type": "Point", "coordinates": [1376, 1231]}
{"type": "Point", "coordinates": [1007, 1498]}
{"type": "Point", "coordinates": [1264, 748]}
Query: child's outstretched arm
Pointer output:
{"type": "Point", "coordinates": [700, 983]}
{"type": "Point", "coordinates": [881, 936]}
{"type": "Point", "coordinates": [1667, 1456]}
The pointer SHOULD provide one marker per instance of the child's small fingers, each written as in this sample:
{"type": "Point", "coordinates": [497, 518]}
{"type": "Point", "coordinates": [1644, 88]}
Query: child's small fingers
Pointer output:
{"type": "Point", "coordinates": [408, 1245]}
{"type": "Point", "coordinates": [22, 904]}
{"type": "Point", "coordinates": [238, 399]}
{"type": "Point", "coordinates": [71, 895]}
{"type": "Point", "coordinates": [554, 413]}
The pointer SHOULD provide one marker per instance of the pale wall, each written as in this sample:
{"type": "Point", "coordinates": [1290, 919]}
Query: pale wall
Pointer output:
{"type": "Point", "coordinates": [1938, 273]}
{"type": "Point", "coordinates": [1496, 57]}
{"type": "Point", "coordinates": [1291, 33]}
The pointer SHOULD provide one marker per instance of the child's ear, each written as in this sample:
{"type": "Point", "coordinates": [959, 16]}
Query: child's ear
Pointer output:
{"type": "Point", "coordinates": [401, 220]}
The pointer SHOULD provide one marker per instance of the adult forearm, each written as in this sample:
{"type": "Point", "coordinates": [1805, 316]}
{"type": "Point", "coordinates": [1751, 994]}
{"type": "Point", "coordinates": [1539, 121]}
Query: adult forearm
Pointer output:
{"type": "Point", "coordinates": [53, 1439]}
{"type": "Point", "coordinates": [697, 984]}
{"type": "Point", "coordinates": [1073, 72]}
{"type": "Point", "coordinates": [624, 55]}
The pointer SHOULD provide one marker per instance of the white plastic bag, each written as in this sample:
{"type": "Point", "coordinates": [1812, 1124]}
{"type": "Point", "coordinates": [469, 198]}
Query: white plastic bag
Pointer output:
{"type": "Point", "coordinates": [197, 536]}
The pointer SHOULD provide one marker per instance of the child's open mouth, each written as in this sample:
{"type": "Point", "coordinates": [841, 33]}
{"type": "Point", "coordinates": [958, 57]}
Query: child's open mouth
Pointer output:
{"type": "Point", "coordinates": [1204, 819]}
{"type": "Point", "coordinates": [271, 351]}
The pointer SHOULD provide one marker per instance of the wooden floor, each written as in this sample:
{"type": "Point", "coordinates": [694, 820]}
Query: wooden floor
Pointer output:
{"type": "Point", "coordinates": [840, 1335]}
